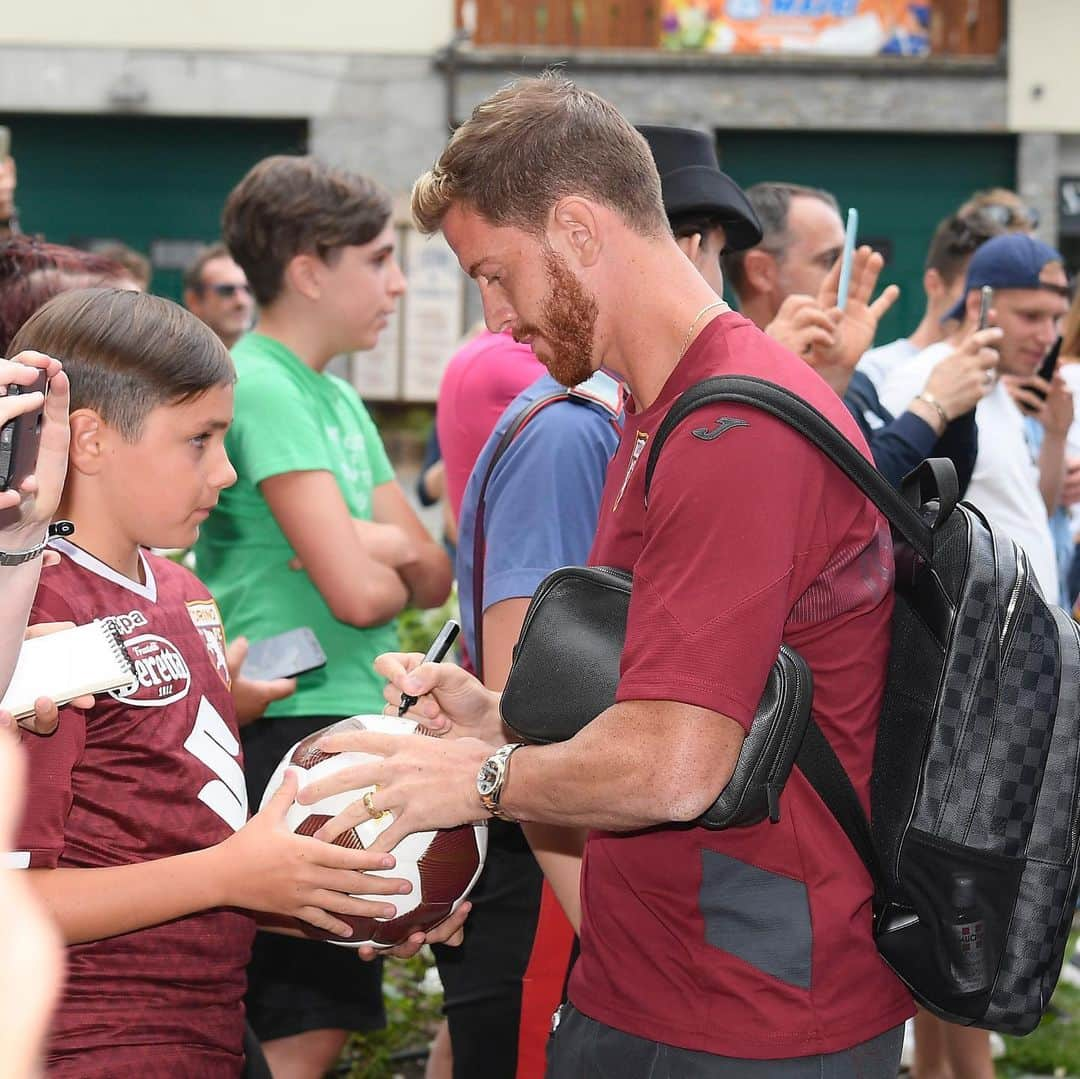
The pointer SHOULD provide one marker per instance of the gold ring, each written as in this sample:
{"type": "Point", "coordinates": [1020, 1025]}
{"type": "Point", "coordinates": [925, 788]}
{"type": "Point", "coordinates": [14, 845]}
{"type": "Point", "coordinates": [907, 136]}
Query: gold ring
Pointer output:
{"type": "Point", "coordinates": [369, 805]}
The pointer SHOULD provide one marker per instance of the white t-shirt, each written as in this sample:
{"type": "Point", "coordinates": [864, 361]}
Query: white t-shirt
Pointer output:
{"type": "Point", "coordinates": [1005, 483]}
{"type": "Point", "coordinates": [1070, 372]}
{"type": "Point", "coordinates": [878, 363]}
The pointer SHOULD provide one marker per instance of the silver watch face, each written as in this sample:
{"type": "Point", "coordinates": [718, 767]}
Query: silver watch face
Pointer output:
{"type": "Point", "coordinates": [487, 778]}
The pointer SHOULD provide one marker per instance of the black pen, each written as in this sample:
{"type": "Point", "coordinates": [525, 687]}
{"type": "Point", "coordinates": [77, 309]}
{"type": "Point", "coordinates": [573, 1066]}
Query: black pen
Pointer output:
{"type": "Point", "coordinates": [435, 654]}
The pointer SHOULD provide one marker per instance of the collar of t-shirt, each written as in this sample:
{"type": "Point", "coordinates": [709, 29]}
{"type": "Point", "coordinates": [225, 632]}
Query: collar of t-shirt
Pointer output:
{"type": "Point", "coordinates": [698, 362]}
{"type": "Point", "coordinates": [270, 348]}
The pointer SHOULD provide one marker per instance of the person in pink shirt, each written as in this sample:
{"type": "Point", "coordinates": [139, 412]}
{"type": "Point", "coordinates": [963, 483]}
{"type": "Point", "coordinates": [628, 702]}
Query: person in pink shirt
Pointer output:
{"type": "Point", "coordinates": [481, 379]}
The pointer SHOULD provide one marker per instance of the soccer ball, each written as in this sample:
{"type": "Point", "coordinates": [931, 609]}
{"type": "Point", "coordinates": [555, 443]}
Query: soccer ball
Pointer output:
{"type": "Point", "coordinates": [443, 865]}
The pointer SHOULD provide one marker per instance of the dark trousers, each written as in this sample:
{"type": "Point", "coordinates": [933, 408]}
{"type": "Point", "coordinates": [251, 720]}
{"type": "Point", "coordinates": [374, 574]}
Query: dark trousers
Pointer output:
{"type": "Point", "coordinates": [581, 1048]}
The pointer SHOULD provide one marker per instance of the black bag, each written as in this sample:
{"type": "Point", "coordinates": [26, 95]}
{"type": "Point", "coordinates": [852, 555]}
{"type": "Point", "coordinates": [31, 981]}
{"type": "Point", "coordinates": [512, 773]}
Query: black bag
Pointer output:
{"type": "Point", "coordinates": [572, 637]}
{"type": "Point", "coordinates": [975, 792]}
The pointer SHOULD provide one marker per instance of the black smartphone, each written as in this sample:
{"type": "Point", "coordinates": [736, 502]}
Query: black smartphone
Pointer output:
{"type": "Point", "coordinates": [285, 655]}
{"type": "Point", "coordinates": [1047, 368]}
{"type": "Point", "coordinates": [21, 437]}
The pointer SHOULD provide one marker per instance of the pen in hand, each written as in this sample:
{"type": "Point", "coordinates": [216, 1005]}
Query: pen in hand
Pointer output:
{"type": "Point", "coordinates": [435, 654]}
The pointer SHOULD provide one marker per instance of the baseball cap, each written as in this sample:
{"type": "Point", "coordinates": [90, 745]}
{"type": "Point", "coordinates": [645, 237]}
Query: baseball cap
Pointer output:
{"type": "Point", "coordinates": [1011, 260]}
{"type": "Point", "coordinates": [691, 182]}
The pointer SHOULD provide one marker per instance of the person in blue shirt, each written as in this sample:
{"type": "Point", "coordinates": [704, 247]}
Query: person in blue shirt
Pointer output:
{"type": "Point", "coordinates": [541, 498]}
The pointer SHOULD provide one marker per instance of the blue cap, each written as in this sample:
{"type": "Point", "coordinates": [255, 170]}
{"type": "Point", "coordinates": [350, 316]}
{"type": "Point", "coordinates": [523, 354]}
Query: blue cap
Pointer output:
{"type": "Point", "coordinates": [1011, 260]}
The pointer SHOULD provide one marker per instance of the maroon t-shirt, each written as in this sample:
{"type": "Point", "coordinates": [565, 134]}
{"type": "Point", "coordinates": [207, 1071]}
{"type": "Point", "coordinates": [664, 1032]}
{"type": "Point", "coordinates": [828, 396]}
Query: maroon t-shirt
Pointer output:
{"type": "Point", "coordinates": [152, 770]}
{"type": "Point", "coordinates": [750, 942]}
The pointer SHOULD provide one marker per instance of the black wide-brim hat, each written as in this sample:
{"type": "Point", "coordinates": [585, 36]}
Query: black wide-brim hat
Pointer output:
{"type": "Point", "coordinates": [691, 182]}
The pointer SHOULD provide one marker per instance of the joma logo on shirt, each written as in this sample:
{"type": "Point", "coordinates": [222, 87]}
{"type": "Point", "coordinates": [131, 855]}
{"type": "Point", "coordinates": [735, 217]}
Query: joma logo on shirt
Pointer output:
{"type": "Point", "coordinates": [162, 675]}
{"type": "Point", "coordinates": [720, 427]}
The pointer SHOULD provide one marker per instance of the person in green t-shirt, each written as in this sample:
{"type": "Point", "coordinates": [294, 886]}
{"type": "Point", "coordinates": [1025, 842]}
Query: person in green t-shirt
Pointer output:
{"type": "Point", "coordinates": [315, 532]}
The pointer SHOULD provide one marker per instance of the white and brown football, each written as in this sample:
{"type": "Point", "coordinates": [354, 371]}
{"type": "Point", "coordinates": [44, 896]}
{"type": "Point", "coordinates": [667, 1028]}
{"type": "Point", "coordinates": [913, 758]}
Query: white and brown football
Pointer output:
{"type": "Point", "coordinates": [443, 865]}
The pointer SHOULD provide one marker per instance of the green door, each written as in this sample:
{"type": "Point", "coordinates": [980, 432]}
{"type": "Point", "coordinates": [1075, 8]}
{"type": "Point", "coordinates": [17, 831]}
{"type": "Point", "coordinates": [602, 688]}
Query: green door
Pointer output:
{"type": "Point", "coordinates": [902, 186]}
{"type": "Point", "coordinates": [154, 183]}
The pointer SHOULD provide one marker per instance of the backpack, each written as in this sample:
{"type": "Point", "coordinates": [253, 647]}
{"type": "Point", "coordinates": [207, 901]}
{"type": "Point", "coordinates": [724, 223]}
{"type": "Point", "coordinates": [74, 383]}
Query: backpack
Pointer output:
{"type": "Point", "coordinates": [975, 789]}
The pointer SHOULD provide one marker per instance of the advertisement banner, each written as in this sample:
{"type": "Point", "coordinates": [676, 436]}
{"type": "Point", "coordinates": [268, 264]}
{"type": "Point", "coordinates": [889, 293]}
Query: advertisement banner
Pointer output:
{"type": "Point", "coordinates": [824, 27]}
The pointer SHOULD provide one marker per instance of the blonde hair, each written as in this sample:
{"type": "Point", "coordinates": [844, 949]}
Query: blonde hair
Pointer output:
{"type": "Point", "coordinates": [534, 142]}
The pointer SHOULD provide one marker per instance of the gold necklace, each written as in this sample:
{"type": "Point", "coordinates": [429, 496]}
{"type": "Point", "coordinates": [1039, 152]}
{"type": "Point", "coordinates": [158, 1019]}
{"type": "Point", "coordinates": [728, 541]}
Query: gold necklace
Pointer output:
{"type": "Point", "coordinates": [697, 319]}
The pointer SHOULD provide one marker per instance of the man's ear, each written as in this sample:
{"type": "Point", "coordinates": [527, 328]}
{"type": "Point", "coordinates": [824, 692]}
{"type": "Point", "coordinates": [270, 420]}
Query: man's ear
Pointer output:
{"type": "Point", "coordinates": [933, 284]}
{"type": "Point", "coordinates": [191, 299]}
{"type": "Point", "coordinates": [575, 228]}
{"type": "Point", "coordinates": [303, 274]}
{"type": "Point", "coordinates": [90, 438]}
{"type": "Point", "coordinates": [690, 245]}
{"type": "Point", "coordinates": [759, 271]}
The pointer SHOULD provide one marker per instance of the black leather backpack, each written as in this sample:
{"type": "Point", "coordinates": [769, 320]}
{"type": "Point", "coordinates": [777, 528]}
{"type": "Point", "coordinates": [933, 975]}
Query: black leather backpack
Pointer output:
{"type": "Point", "coordinates": [975, 793]}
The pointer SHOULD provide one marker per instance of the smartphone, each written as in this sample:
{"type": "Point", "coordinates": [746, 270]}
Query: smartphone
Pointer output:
{"type": "Point", "coordinates": [285, 655]}
{"type": "Point", "coordinates": [1046, 370]}
{"type": "Point", "coordinates": [847, 258]}
{"type": "Point", "coordinates": [5, 142]}
{"type": "Point", "coordinates": [986, 299]}
{"type": "Point", "coordinates": [21, 437]}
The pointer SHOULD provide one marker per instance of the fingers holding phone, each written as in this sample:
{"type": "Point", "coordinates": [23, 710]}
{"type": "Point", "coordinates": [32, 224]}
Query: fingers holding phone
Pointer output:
{"type": "Point", "coordinates": [965, 376]}
{"type": "Point", "coordinates": [34, 401]}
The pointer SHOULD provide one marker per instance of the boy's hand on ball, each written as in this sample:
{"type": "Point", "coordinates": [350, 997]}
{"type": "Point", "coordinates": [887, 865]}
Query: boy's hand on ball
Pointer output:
{"type": "Point", "coordinates": [450, 932]}
{"type": "Point", "coordinates": [265, 867]}
{"type": "Point", "coordinates": [451, 701]}
{"type": "Point", "coordinates": [425, 783]}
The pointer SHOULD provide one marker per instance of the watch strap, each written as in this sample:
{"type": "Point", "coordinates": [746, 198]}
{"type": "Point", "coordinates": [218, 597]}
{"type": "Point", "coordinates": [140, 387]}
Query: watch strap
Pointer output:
{"type": "Point", "coordinates": [17, 558]}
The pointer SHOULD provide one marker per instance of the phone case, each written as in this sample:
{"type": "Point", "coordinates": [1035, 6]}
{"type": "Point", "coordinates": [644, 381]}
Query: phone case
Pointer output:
{"type": "Point", "coordinates": [285, 655]}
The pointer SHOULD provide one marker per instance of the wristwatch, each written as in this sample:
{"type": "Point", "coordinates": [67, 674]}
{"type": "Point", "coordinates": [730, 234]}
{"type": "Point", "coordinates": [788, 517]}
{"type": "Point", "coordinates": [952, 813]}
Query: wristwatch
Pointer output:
{"type": "Point", "coordinates": [492, 776]}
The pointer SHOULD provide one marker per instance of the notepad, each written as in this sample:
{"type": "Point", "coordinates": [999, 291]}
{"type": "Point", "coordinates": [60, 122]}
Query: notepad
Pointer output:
{"type": "Point", "coordinates": [67, 664]}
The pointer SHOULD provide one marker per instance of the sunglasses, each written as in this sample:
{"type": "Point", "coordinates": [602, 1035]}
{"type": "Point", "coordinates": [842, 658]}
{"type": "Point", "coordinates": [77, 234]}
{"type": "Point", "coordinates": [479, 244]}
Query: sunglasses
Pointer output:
{"type": "Point", "coordinates": [1009, 216]}
{"type": "Point", "coordinates": [227, 292]}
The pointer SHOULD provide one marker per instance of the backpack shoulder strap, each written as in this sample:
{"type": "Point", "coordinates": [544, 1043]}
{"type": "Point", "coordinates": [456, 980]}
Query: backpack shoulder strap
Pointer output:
{"type": "Point", "coordinates": [788, 407]}
{"type": "Point", "coordinates": [816, 759]}
{"type": "Point", "coordinates": [524, 417]}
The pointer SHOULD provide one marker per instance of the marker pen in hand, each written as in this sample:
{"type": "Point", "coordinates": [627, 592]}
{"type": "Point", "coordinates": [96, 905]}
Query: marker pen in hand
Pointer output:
{"type": "Point", "coordinates": [435, 654]}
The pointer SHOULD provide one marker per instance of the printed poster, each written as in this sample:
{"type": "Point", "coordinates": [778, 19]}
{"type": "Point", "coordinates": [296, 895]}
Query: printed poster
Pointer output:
{"type": "Point", "coordinates": [825, 27]}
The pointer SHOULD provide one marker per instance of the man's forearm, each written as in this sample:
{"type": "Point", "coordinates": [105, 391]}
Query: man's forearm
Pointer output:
{"type": "Point", "coordinates": [638, 764]}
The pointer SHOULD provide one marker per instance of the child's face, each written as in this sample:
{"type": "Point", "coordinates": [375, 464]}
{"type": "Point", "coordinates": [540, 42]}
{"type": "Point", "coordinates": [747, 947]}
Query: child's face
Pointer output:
{"type": "Point", "coordinates": [361, 287]}
{"type": "Point", "coordinates": [163, 485]}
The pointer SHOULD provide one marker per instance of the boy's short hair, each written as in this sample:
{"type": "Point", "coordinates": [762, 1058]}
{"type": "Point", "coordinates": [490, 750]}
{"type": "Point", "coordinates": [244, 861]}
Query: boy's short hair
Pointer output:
{"type": "Point", "coordinates": [32, 272]}
{"type": "Point", "coordinates": [533, 143]}
{"type": "Point", "coordinates": [288, 206]}
{"type": "Point", "coordinates": [955, 240]}
{"type": "Point", "coordinates": [127, 352]}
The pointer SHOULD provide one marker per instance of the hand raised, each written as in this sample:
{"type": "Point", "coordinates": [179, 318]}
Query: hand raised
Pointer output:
{"type": "Point", "coordinates": [265, 867]}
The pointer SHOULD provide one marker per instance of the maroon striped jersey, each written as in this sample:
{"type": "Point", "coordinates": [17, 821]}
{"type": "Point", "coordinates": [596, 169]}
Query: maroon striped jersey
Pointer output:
{"type": "Point", "coordinates": [152, 770]}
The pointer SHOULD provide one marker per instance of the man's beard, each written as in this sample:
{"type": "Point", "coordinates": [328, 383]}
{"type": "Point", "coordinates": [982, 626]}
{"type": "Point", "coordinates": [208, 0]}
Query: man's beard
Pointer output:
{"type": "Point", "coordinates": [568, 314]}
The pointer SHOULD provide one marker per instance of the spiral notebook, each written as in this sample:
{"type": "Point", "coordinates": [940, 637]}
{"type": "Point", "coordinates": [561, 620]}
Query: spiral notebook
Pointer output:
{"type": "Point", "coordinates": [66, 665]}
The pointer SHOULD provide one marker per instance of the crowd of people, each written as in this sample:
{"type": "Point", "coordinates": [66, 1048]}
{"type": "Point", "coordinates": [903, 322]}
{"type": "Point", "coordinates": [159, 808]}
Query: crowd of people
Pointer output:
{"type": "Point", "coordinates": [601, 253]}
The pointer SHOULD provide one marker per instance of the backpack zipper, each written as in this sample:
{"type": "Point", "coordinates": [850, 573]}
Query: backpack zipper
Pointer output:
{"type": "Point", "coordinates": [1012, 610]}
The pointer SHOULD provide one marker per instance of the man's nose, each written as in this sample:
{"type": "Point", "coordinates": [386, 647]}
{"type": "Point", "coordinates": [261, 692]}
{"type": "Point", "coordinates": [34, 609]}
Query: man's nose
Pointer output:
{"type": "Point", "coordinates": [498, 314]}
